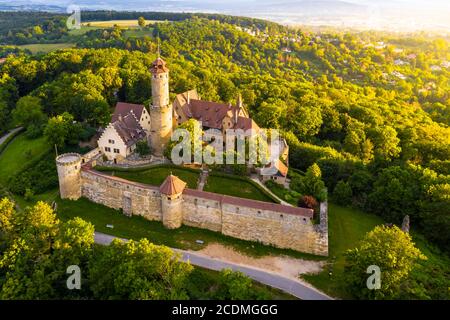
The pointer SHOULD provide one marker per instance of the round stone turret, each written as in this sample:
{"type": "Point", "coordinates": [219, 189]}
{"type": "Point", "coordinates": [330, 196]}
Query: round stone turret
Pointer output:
{"type": "Point", "coordinates": [69, 175]}
{"type": "Point", "coordinates": [171, 201]}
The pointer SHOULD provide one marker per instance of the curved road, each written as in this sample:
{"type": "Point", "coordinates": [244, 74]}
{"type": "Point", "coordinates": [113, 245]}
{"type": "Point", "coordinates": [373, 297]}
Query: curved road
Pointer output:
{"type": "Point", "coordinates": [289, 285]}
{"type": "Point", "coordinates": [6, 136]}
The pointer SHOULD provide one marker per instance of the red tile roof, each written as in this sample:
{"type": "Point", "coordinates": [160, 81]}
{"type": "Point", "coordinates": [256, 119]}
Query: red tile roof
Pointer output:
{"type": "Point", "coordinates": [129, 129]}
{"type": "Point", "coordinates": [172, 185]}
{"type": "Point", "coordinates": [123, 108]}
{"type": "Point", "coordinates": [211, 114]}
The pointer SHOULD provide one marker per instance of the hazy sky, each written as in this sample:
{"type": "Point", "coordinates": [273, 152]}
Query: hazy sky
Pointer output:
{"type": "Point", "coordinates": [375, 14]}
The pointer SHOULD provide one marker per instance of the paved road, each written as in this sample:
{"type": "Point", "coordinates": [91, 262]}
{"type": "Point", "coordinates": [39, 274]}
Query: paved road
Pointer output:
{"type": "Point", "coordinates": [289, 285]}
{"type": "Point", "coordinates": [2, 139]}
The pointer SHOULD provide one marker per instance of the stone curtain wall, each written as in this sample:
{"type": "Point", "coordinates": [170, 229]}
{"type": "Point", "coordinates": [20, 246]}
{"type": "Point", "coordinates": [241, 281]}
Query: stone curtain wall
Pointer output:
{"type": "Point", "coordinates": [202, 212]}
{"type": "Point", "coordinates": [272, 228]}
{"type": "Point", "coordinates": [208, 211]}
{"type": "Point", "coordinates": [112, 191]}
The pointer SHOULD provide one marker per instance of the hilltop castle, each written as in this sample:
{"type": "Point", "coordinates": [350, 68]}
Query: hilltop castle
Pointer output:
{"type": "Point", "coordinates": [132, 123]}
{"type": "Point", "coordinates": [174, 205]}
{"type": "Point", "coordinates": [172, 202]}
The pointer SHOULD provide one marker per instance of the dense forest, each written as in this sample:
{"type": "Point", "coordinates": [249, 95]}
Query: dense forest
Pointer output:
{"type": "Point", "coordinates": [369, 110]}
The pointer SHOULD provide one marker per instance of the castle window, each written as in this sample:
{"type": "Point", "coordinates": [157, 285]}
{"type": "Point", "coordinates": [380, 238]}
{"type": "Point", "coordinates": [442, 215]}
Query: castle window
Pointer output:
{"type": "Point", "coordinates": [116, 151]}
{"type": "Point", "coordinates": [281, 216]}
{"type": "Point", "coordinates": [107, 149]}
{"type": "Point", "coordinates": [111, 141]}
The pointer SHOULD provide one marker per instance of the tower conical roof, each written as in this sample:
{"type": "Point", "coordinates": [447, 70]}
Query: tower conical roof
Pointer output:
{"type": "Point", "coordinates": [159, 66]}
{"type": "Point", "coordinates": [172, 185]}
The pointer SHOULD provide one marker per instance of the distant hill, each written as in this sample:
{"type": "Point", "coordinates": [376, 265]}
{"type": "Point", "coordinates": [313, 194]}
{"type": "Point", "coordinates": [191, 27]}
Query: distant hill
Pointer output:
{"type": "Point", "coordinates": [391, 15]}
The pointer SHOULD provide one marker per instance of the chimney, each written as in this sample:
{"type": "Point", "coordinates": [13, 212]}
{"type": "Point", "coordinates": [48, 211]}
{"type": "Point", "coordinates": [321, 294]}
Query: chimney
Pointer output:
{"type": "Point", "coordinates": [120, 117]}
{"type": "Point", "coordinates": [188, 98]}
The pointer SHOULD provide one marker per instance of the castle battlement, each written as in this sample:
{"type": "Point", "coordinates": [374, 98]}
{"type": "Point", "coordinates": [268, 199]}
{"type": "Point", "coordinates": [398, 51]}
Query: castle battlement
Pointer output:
{"type": "Point", "coordinates": [68, 159]}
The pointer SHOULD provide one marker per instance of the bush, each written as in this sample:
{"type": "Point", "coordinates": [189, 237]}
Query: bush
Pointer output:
{"type": "Point", "coordinates": [388, 248]}
{"type": "Point", "coordinates": [28, 194]}
{"type": "Point", "coordinates": [142, 148]}
{"type": "Point", "coordinates": [342, 193]}
{"type": "Point", "coordinates": [308, 202]}
{"type": "Point", "coordinates": [34, 131]}
{"type": "Point", "coordinates": [311, 183]}
{"type": "Point", "coordinates": [87, 132]}
{"type": "Point", "coordinates": [236, 286]}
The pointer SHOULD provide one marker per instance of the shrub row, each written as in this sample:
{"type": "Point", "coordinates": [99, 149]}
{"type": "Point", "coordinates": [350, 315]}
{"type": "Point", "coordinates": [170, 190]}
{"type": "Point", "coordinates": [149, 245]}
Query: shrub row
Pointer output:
{"type": "Point", "coordinates": [38, 176]}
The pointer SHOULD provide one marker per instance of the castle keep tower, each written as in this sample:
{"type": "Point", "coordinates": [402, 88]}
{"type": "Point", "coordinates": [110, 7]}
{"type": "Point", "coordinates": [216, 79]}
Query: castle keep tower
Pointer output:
{"type": "Point", "coordinates": [171, 201]}
{"type": "Point", "coordinates": [160, 109]}
{"type": "Point", "coordinates": [69, 175]}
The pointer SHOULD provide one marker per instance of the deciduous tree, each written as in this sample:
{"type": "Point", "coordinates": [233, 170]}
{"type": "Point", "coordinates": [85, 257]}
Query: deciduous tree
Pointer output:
{"type": "Point", "coordinates": [388, 248]}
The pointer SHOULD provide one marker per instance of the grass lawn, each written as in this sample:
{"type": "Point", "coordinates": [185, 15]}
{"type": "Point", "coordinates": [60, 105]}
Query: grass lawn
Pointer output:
{"type": "Point", "coordinates": [183, 238]}
{"type": "Point", "coordinates": [235, 187]}
{"type": "Point", "coordinates": [19, 153]}
{"type": "Point", "coordinates": [156, 175]}
{"type": "Point", "coordinates": [46, 47]}
{"type": "Point", "coordinates": [347, 227]}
